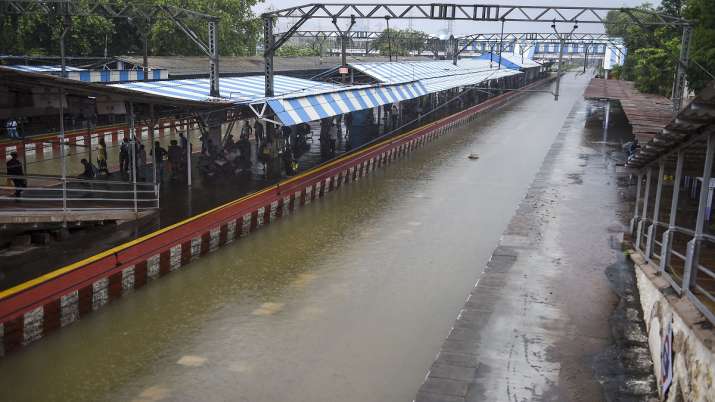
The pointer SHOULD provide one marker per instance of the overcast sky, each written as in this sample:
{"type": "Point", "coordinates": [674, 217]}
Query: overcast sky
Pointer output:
{"type": "Point", "coordinates": [459, 27]}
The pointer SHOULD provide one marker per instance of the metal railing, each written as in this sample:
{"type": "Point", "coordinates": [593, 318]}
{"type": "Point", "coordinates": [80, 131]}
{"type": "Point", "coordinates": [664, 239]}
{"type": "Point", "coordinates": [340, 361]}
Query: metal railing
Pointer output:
{"type": "Point", "coordinates": [701, 290]}
{"type": "Point", "coordinates": [51, 193]}
{"type": "Point", "coordinates": [686, 270]}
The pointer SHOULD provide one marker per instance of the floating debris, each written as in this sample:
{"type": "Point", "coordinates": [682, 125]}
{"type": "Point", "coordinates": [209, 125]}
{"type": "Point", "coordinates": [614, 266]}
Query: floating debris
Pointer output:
{"type": "Point", "coordinates": [473, 156]}
{"type": "Point", "coordinates": [192, 361]}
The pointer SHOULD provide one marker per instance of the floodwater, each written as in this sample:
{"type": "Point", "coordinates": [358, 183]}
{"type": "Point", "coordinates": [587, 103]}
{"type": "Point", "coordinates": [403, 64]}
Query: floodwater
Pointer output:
{"type": "Point", "coordinates": [347, 300]}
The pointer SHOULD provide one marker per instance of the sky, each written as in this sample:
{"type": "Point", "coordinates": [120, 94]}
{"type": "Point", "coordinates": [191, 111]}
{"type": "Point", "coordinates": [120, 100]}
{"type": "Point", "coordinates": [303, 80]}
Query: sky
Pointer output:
{"type": "Point", "coordinates": [441, 27]}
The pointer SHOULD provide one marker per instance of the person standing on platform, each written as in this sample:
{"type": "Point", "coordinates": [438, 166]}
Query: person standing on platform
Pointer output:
{"type": "Point", "coordinates": [141, 162]}
{"type": "Point", "coordinates": [246, 130]}
{"type": "Point", "coordinates": [339, 125]}
{"type": "Point", "coordinates": [184, 141]}
{"type": "Point", "coordinates": [124, 156]}
{"type": "Point", "coordinates": [102, 156]}
{"type": "Point", "coordinates": [394, 115]}
{"type": "Point", "coordinates": [332, 140]}
{"type": "Point", "coordinates": [258, 132]}
{"type": "Point", "coordinates": [175, 156]}
{"type": "Point", "coordinates": [348, 126]}
{"type": "Point", "coordinates": [14, 168]}
{"type": "Point", "coordinates": [159, 154]}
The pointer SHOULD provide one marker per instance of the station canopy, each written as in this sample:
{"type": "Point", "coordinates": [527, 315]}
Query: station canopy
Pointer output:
{"type": "Point", "coordinates": [509, 60]}
{"type": "Point", "coordinates": [298, 100]}
{"type": "Point", "coordinates": [292, 110]}
{"type": "Point", "coordinates": [233, 89]}
{"type": "Point", "coordinates": [406, 71]}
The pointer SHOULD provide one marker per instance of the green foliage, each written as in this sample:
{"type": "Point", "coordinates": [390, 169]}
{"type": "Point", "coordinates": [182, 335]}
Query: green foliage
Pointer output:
{"type": "Point", "coordinates": [39, 35]}
{"type": "Point", "coordinates": [291, 50]}
{"type": "Point", "coordinates": [654, 71]}
{"type": "Point", "coordinates": [400, 42]}
{"type": "Point", "coordinates": [702, 47]}
{"type": "Point", "coordinates": [653, 52]}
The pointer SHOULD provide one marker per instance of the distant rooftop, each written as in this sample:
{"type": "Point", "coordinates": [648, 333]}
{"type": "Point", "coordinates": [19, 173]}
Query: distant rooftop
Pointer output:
{"type": "Point", "coordinates": [198, 65]}
{"type": "Point", "coordinates": [647, 113]}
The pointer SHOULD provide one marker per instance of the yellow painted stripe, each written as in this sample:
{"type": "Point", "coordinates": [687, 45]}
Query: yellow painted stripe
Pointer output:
{"type": "Point", "coordinates": [79, 264]}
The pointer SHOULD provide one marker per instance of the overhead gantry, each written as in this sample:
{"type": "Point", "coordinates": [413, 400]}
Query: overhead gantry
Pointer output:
{"type": "Point", "coordinates": [463, 12]}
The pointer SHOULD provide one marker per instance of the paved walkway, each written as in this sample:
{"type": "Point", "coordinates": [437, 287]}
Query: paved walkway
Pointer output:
{"type": "Point", "coordinates": [536, 325]}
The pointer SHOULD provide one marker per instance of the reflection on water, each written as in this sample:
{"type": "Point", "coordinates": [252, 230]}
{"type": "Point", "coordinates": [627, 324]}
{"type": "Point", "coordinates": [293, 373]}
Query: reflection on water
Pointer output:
{"type": "Point", "coordinates": [349, 300]}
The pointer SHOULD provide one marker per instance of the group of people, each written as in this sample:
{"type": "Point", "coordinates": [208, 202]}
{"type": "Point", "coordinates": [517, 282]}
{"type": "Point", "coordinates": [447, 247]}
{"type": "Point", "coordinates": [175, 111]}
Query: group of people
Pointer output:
{"type": "Point", "coordinates": [230, 158]}
{"type": "Point", "coordinates": [175, 156]}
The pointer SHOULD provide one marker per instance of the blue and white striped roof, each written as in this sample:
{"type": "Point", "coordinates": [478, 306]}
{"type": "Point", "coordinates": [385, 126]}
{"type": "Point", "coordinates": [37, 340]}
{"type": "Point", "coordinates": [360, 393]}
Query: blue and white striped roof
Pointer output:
{"type": "Point", "coordinates": [293, 110]}
{"type": "Point", "coordinates": [233, 89]}
{"type": "Point", "coordinates": [43, 69]}
{"type": "Point", "coordinates": [509, 60]}
{"type": "Point", "coordinates": [406, 71]}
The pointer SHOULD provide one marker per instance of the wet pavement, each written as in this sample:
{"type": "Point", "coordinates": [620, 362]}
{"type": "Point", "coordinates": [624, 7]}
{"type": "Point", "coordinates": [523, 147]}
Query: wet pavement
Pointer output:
{"type": "Point", "coordinates": [541, 323]}
{"type": "Point", "coordinates": [351, 298]}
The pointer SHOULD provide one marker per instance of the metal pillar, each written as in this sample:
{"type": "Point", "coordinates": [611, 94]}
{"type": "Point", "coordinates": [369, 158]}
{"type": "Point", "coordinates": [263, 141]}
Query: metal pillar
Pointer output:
{"type": "Point", "coordinates": [693, 251]}
{"type": "Point", "coordinates": [639, 235]}
{"type": "Point", "coordinates": [213, 58]}
{"type": "Point", "coordinates": [585, 59]}
{"type": "Point", "coordinates": [679, 82]}
{"type": "Point", "coordinates": [389, 37]}
{"type": "Point", "coordinates": [133, 142]}
{"type": "Point", "coordinates": [501, 43]}
{"type": "Point", "coordinates": [188, 158]}
{"type": "Point", "coordinates": [635, 219]}
{"type": "Point", "coordinates": [650, 244]}
{"type": "Point", "coordinates": [668, 235]}
{"type": "Point", "coordinates": [344, 50]}
{"type": "Point", "coordinates": [145, 39]}
{"type": "Point", "coordinates": [558, 72]}
{"type": "Point", "coordinates": [268, 42]}
{"type": "Point", "coordinates": [153, 150]}
{"type": "Point", "coordinates": [455, 50]}
{"type": "Point", "coordinates": [65, 30]}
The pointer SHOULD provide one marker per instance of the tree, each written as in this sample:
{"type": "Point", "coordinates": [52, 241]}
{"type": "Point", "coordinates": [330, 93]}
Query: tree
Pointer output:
{"type": "Point", "coordinates": [654, 52]}
{"type": "Point", "coordinates": [702, 46]}
{"type": "Point", "coordinates": [400, 42]}
{"type": "Point", "coordinates": [291, 50]}
{"type": "Point", "coordinates": [39, 34]}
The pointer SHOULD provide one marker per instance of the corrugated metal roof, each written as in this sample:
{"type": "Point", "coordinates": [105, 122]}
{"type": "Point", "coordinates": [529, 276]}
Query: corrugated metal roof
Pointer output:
{"type": "Point", "coordinates": [693, 121]}
{"type": "Point", "coordinates": [510, 60]}
{"type": "Point", "coordinates": [236, 89]}
{"type": "Point", "coordinates": [406, 71]}
{"type": "Point", "coordinates": [43, 69]}
{"type": "Point", "coordinates": [647, 113]}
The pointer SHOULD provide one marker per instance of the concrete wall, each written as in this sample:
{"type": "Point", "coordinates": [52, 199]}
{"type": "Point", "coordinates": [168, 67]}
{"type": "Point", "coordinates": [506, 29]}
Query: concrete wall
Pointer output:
{"type": "Point", "coordinates": [693, 337]}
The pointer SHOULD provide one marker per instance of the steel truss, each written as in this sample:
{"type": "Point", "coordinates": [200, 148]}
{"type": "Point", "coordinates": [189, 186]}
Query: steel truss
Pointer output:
{"type": "Point", "coordinates": [465, 12]}
{"type": "Point", "coordinates": [463, 43]}
{"type": "Point", "coordinates": [141, 15]}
